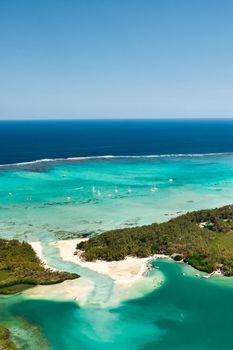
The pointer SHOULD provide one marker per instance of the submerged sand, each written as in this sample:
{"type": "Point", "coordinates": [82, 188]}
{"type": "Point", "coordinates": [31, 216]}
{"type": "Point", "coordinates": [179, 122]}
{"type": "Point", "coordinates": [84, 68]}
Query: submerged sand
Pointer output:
{"type": "Point", "coordinates": [125, 271]}
{"type": "Point", "coordinates": [76, 290]}
{"type": "Point", "coordinates": [37, 246]}
{"type": "Point", "coordinates": [128, 276]}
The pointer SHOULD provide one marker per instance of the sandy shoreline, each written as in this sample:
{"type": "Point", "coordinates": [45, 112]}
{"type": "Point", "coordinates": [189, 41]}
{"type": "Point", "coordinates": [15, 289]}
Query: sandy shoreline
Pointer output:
{"type": "Point", "coordinates": [127, 275]}
{"type": "Point", "coordinates": [77, 290]}
{"type": "Point", "coordinates": [123, 272]}
{"type": "Point", "coordinates": [37, 246]}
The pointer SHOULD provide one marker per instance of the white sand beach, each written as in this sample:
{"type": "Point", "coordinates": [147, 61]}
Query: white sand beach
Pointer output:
{"type": "Point", "coordinates": [77, 290]}
{"type": "Point", "coordinates": [127, 275]}
{"type": "Point", "coordinates": [37, 246]}
{"type": "Point", "coordinates": [123, 272]}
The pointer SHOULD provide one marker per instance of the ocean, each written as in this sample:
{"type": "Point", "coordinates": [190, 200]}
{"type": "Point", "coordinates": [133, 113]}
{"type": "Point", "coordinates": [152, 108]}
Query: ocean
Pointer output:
{"type": "Point", "coordinates": [22, 141]}
{"type": "Point", "coordinates": [47, 175]}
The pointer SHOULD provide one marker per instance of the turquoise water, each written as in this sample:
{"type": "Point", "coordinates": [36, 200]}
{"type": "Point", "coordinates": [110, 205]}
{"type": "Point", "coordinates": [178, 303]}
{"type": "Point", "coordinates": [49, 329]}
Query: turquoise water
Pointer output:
{"type": "Point", "coordinates": [184, 313]}
{"type": "Point", "coordinates": [56, 200]}
{"type": "Point", "coordinates": [50, 201]}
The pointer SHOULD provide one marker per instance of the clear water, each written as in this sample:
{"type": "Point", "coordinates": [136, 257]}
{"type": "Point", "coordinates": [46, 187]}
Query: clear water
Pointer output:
{"type": "Point", "coordinates": [22, 141]}
{"type": "Point", "coordinates": [184, 313]}
{"type": "Point", "coordinates": [50, 201]}
{"type": "Point", "coordinates": [56, 200]}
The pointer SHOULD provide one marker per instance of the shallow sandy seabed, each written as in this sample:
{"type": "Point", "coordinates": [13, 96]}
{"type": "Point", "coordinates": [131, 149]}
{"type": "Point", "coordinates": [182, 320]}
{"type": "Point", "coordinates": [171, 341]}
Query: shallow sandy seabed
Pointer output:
{"type": "Point", "coordinates": [39, 252]}
{"type": "Point", "coordinates": [76, 290]}
{"type": "Point", "coordinates": [128, 276]}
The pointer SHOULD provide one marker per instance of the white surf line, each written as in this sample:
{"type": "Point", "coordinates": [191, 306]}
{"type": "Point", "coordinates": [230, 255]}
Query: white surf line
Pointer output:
{"type": "Point", "coordinates": [172, 155]}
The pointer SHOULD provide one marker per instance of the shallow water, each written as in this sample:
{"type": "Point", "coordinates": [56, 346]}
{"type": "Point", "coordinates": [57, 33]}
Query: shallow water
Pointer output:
{"type": "Point", "coordinates": [184, 313]}
{"type": "Point", "coordinates": [49, 201]}
{"type": "Point", "coordinates": [52, 200]}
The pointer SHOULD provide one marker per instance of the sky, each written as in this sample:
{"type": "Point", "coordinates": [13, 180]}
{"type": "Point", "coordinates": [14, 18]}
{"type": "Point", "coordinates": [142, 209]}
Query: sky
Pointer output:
{"type": "Point", "coordinates": [116, 58]}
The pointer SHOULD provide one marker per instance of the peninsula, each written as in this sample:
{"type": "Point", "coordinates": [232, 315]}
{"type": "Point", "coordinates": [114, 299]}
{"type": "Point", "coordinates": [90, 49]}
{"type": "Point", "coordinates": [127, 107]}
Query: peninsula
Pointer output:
{"type": "Point", "coordinates": [21, 268]}
{"type": "Point", "coordinates": [203, 239]}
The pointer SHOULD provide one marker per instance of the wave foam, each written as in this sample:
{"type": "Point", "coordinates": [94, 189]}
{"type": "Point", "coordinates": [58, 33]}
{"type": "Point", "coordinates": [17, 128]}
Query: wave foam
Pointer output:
{"type": "Point", "coordinates": [172, 155]}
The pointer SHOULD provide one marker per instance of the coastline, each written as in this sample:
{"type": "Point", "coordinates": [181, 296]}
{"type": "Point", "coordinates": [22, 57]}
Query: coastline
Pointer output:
{"type": "Point", "coordinates": [37, 246]}
{"type": "Point", "coordinates": [76, 290]}
{"type": "Point", "coordinates": [123, 272]}
{"type": "Point", "coordinates": [68, 290]}
{"type": "Point", "coordinates": [129, 277]}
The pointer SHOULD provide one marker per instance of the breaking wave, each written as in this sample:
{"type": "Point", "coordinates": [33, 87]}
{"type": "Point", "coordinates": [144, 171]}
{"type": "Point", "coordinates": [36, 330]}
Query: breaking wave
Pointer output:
{"type": "Point", "coordinates": [70, 159]}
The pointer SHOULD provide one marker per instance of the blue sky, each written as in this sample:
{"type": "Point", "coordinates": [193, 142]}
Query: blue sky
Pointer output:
{"type": "Point", "coordinates": [116, 58]}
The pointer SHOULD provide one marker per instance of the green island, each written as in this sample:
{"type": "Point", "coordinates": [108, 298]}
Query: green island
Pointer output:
{"type": "Point", "coordinates": [5, 341]}
{"type": "Point", "coordinates": [203, 239]}
{"type": "Point", "coordinates": [20, 268]}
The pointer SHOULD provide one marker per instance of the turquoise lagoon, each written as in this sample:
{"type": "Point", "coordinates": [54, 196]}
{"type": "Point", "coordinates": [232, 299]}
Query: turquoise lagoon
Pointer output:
{"type": "Point", "coordinates": [47, 201]}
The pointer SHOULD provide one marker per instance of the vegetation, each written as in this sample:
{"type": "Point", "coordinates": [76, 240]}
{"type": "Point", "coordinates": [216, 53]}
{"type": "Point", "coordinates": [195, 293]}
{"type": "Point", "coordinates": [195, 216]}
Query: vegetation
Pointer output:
{"type": "Point", "coordinates": [203, 239]}
{"type": "Point", "coordinates": [5, 341]}
{"type": "Point", "coordinates": [20, 268]}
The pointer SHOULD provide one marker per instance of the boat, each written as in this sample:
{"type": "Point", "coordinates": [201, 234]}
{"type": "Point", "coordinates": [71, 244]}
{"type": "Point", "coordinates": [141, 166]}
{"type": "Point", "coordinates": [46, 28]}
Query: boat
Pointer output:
{"type": "Point", "coordinates": [154, 189]}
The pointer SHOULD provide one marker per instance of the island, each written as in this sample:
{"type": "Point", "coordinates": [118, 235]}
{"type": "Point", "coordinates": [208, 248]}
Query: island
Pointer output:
{"type": "Point", "coordinates": [21, 268]}
{"type": "Point", "coordinates": [203, 239]}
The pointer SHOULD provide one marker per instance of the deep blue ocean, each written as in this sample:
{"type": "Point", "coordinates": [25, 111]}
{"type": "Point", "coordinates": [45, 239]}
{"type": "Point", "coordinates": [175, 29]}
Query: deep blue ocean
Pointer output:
{"type": "Point", "coordinates": [22, 141]}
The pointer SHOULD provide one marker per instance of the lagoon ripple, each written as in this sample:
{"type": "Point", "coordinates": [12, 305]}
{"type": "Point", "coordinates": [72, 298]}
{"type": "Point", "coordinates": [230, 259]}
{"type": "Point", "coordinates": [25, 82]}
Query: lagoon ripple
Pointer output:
{"type": "Point", "coordinates": [49, 201]}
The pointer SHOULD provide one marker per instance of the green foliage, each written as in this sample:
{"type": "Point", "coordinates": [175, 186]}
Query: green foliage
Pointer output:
{"type": "Point", "coordinates": [20, 268]}
{"type": "Point", "coordinates": [203, 238]}
{"type": "Point", "coordinates": [5, 341]}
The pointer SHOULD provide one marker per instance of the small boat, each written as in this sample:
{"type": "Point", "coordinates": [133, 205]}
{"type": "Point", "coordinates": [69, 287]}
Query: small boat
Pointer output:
{"type": "Point", "coordinates": [170, 180]}
{"type": "Point", "coordinates": [98, 193]}
{"type": "Point", "coordinates": [154, 189]}
{"type": "Point", "coordinates": [9, 193]}
{"type": "Point", "coordinates": [93, 189]}
{"type": "Point", "coordinates": [129, 190]}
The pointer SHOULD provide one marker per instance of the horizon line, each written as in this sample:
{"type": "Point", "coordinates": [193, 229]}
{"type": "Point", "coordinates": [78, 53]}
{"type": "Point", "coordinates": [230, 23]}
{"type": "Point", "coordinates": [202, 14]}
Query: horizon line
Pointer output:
{"type": "Point", "coordinates": [114, 119]}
